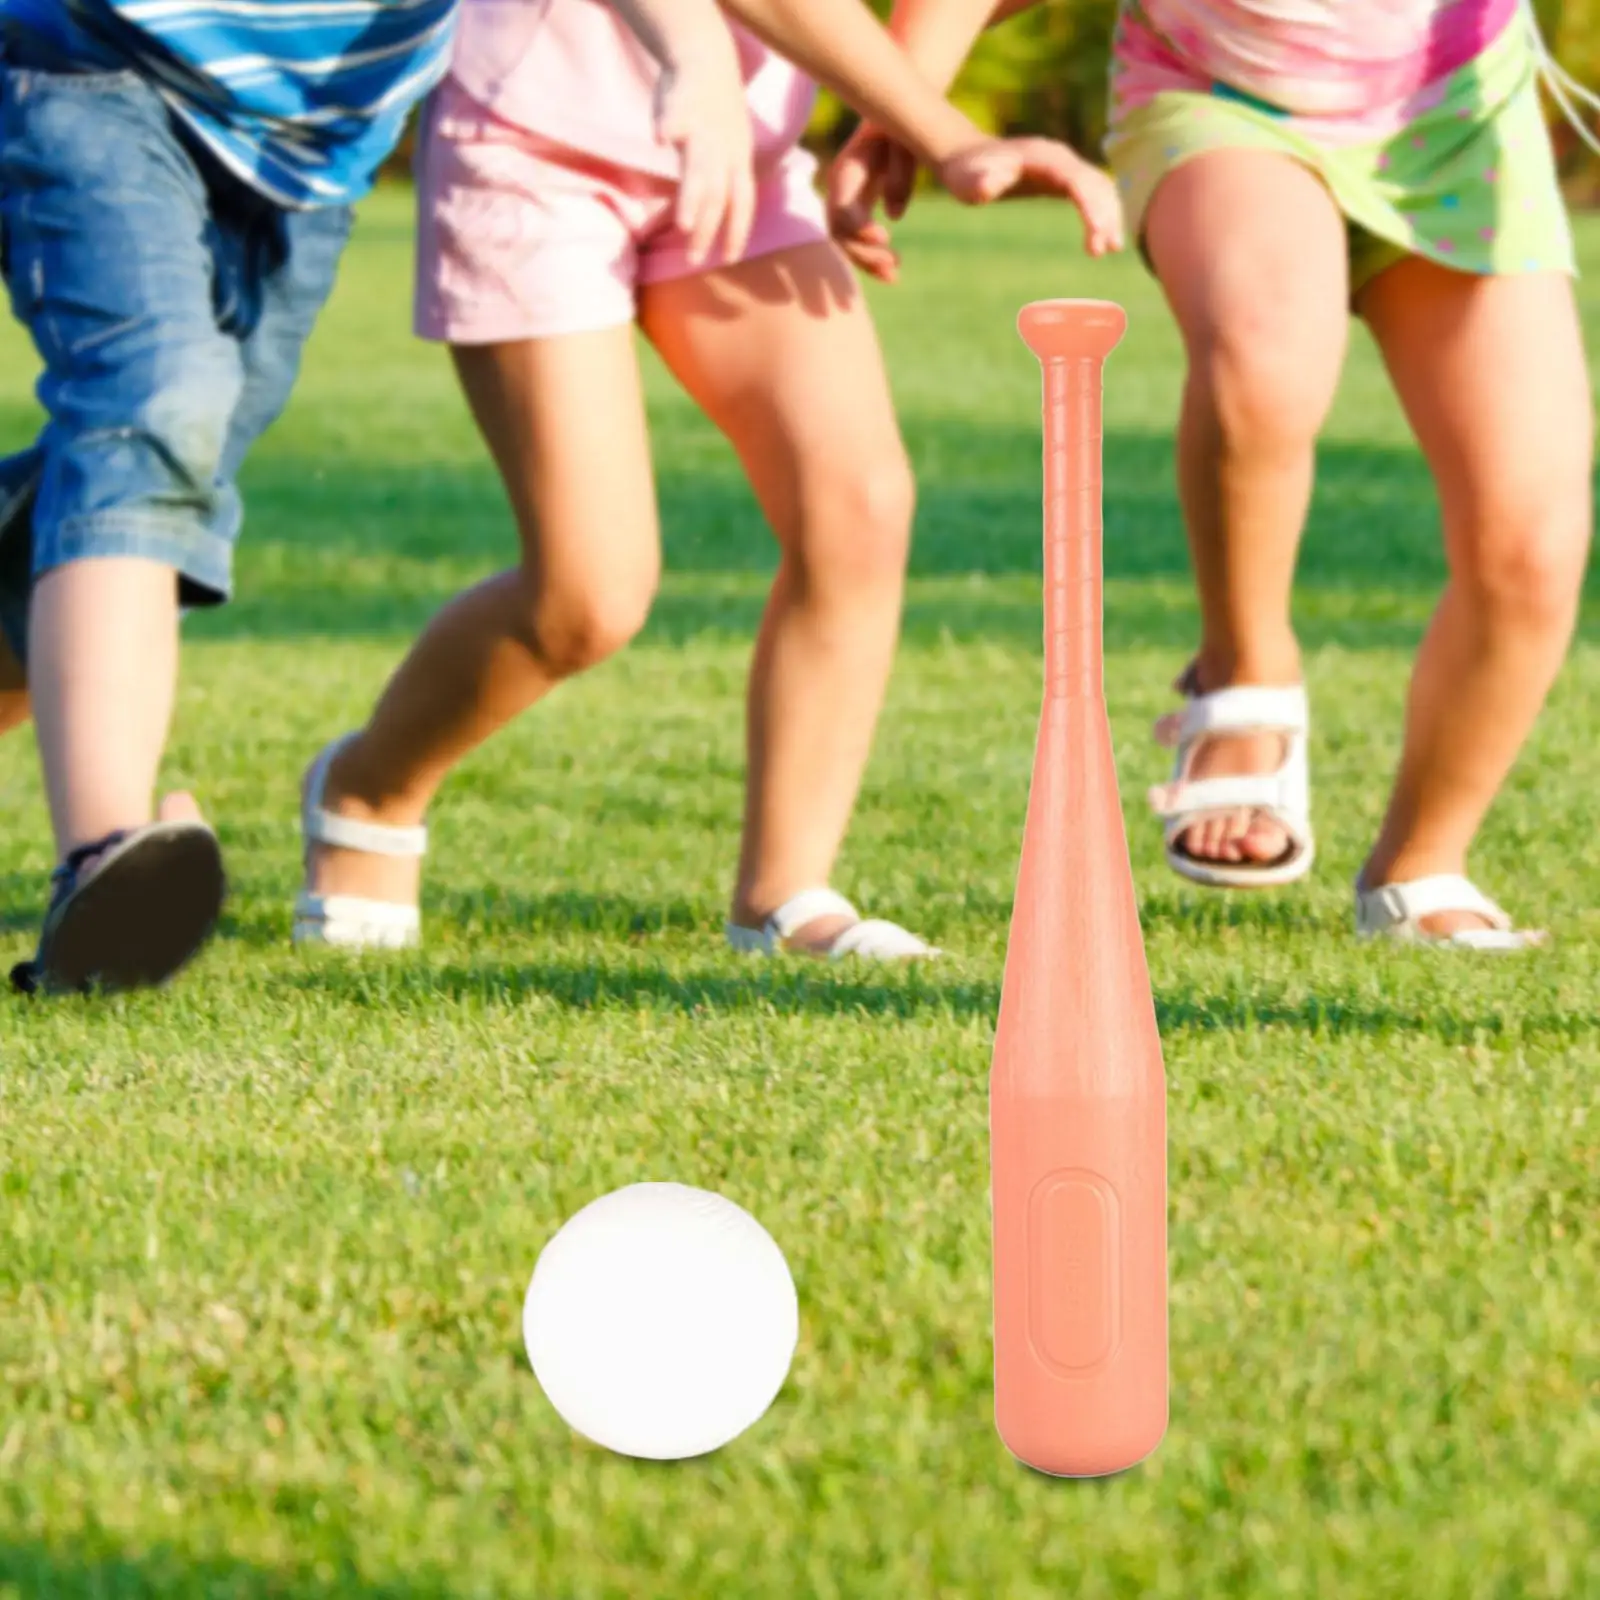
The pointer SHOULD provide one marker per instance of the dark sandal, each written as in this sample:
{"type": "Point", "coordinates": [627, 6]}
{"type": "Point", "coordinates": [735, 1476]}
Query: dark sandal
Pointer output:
{"type": "Point", "coordinates": [137, 920]}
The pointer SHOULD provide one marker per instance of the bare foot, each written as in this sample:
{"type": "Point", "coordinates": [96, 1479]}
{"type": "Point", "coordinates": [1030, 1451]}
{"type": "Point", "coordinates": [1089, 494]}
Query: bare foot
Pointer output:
{"type": "Point", "coordinates": [1244, 835]}
{"type": "Point", "coordinates": [331, 870]}
{"type": "Point", "coordinates": [179, 806]}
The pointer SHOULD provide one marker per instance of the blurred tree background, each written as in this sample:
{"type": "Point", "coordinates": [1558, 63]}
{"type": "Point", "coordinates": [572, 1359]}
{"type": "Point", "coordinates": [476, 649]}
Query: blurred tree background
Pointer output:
{"type": "Point", "coordinates": [1041, 72]}
{"type": "Point", "coordinates": [1045, 72]}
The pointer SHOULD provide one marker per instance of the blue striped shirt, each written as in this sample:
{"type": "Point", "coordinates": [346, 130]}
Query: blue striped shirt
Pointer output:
{"type": "Point", "coordinates": [303, 100]}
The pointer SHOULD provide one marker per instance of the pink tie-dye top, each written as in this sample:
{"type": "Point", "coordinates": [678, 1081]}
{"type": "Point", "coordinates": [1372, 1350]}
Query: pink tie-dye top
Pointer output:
{"type": "Point", "coordinates": [1360, 68]}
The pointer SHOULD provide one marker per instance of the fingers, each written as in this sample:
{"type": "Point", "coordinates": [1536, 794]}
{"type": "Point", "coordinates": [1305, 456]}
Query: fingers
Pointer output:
{"type": "Point", "coordinates": [701, 110]}
{"type": "Point", "coordinates": [854, 182]}
{"type": "Point", "coordinates": [1019, 168]}
{"type": "Point", "coordinates": [898, 180]}
{"type": "Point", "coordinates": [716, 201]}
{"type": "Point", "coordinates": [854, 189]}
{"type": "Point", "coordinates": [871, 252]}
{"type": "Point", "coordinates": [1090, 189]}
{"type": "Point", "coordinates": [741, 211]}
{"type": "Point", "coordinates": [695, 202]}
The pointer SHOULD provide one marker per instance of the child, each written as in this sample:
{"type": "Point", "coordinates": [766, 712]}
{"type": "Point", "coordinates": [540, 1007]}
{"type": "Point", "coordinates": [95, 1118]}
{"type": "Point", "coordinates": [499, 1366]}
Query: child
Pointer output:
{"type": "Point", "coordinates": [169, 292]}
{"type": "Point", "coordinates": [1281, 165]}
{"type": "Point", "coordinates": [546, 231]}
{"type": "Point", "coordinates": [175, 185]}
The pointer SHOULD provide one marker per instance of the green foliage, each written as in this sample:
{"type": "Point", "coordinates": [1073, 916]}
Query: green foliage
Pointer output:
{"type": "Point", "coordinates": [1042, 72]}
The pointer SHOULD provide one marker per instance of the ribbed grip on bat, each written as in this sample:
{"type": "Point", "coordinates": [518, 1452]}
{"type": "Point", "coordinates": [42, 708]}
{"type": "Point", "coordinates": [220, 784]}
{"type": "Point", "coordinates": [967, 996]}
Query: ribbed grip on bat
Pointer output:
{"type": "Point", "coordinates": [1071, 339]}
{"type": "Point", "coordinates": [1073, 585]}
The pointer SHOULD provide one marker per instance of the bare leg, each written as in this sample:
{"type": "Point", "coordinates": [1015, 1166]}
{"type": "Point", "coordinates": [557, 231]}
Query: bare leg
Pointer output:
{"type": "Point", "coordinates": [1491, 373]}
{"type": "Point", "coordinates": [1251, 252]}
{"type": "Point", "coordinates": [103, 672]}
{"type": "Point", "coordinates": [564, 420]}
{"type": "Point", "coordinates": [781, 354]}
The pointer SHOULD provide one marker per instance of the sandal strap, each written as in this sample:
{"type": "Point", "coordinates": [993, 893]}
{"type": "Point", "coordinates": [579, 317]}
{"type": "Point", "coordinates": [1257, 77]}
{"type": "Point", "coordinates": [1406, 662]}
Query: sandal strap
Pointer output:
{"type": "Point", "coordinates": [880, 940]}
{"type": "Point", "coordinates": [807, 906]}
{"type": "Point", "coordinates": [75, 859]}
{"type": "Point", "coordinates": [322, 826]}
{"type": "Point", "coordinates": [1398, 904]}
{"type": "Point", "coordinates": [354, 908]}
{"type": "Point", "coordinates": [1245, 708]}
{"type": "Point", "coordinates": [871, 937]}
{"type": "Point", "coordinates": [1275, 792]}
{"type": "Point", "coordinates": [371, 838]}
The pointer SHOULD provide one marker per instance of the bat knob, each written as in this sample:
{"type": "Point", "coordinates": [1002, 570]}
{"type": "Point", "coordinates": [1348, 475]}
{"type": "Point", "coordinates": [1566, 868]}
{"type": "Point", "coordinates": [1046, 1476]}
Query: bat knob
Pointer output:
{"type": "Point", "coordinates": [1057, 330]}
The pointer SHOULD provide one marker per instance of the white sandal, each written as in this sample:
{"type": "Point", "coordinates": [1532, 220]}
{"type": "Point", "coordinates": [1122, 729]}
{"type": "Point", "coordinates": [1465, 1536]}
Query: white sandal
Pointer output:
{"type": "Point", "coordinates": [1395, 911]}
{"type": "Point", "coordinates": [873, 939]}
{"type": "Point", "coordinates": [350, 921]}
{"type": "Point", "coordinates": [1283, 795]}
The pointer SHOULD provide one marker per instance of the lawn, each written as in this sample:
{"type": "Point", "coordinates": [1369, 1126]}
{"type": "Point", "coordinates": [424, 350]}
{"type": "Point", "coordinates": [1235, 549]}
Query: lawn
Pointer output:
{"type": "Point", "coordinates": [265, 1237]}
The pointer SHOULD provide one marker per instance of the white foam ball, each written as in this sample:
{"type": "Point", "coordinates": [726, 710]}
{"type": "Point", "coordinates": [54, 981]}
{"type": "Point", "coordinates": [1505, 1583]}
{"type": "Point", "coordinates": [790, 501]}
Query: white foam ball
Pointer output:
{"type": "Point", "coordinates": [661, 1321]}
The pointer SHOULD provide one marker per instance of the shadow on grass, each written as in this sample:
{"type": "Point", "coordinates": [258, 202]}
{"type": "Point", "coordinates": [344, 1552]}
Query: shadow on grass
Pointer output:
{"type": "Point", "coordinates": [803, 988]}
{"type": "Point", "coordinates": [37, 1572]}
{"type": "Point", "coordinates": [345, 547]}
{"type": "Point", "coordinates": [1190, 1010]}
{"type": "Point", "coordinates": [785, 989]}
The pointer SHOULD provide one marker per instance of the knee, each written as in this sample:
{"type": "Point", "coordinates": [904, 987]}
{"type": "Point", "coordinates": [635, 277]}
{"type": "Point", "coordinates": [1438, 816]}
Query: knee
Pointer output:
{"type": "Point", "coordinates": [1267, 392]}
{"type": "Point", "coordinates": [572, 632]}
{"type": "Point", "coordinates": [1524, 555]}
{"type": "Point", "coordinates": [184, 422]}
{"type": "Point", "coordinates": [1264, 354]}
{"type": "Point", "coordinates": [855, 531]}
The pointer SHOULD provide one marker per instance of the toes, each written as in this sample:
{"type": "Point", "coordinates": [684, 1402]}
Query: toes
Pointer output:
{"type": "Point", "coordinates": [1238, 831]}
{"type": "Point", "coordinates": [1227, 837]}
{"type": "Point", "coordinates": [1265, 840]}
{"type": "Point", "coordinates": [1235, 837]}
{"type": "Point", "coordinates": [1207, 841]}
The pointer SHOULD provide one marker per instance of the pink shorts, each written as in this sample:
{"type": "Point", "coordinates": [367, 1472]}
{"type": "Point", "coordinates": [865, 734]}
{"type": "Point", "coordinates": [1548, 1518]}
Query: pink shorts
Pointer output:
{"type": "Point", "coordinates": [521, 238]}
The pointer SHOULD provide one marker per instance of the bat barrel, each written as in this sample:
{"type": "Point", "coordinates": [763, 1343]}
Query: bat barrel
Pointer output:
{"type": "Point", "coordinates": [1071, 339]}
{"type": "Point", "coordinates": [1080, 1314]}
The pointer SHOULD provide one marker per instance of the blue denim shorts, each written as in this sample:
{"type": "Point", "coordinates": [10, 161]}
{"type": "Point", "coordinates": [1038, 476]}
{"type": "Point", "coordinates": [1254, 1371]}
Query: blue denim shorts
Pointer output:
{"type": "Point", "coordinates": [169, 304]}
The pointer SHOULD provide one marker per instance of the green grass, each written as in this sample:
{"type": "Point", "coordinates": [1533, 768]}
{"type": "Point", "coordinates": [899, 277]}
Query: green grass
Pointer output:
{"type": "Point", "coordinates": [264, 1238]}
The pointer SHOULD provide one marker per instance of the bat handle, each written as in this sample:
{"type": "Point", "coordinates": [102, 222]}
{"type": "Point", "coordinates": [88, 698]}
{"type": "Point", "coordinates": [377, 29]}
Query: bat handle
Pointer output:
{"type": "Point", "coordinates": [1071, 339]}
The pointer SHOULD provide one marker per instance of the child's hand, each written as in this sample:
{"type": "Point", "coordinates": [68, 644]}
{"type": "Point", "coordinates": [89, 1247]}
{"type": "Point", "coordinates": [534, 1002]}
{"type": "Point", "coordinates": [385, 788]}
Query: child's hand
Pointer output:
{"type": "Point", "coordinates": [870, 170]}
{"type": "Point", "coordinates": [1012, 169]}
{"type": "Point", "coordinates": [701, 108]}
